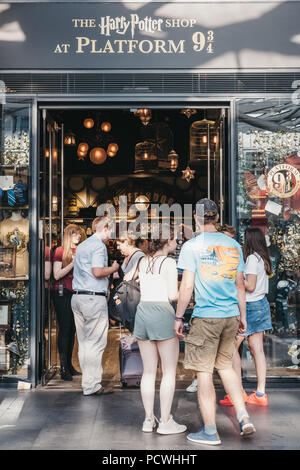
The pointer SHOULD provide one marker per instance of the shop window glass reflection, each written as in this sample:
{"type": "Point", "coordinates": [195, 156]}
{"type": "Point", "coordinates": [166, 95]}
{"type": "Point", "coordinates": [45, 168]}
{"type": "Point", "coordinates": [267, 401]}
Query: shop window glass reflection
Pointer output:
{"type": "Point", "coordinates": [268, 197]}
{"type": "Point", "coordinates": [14, 239]}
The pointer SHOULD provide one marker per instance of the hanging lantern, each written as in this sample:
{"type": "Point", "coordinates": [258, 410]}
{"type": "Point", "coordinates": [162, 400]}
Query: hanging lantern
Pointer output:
{"type": "Point", "coordinates": [88, 123]}
{"type": "Point", "coordinates": [145, 115]}
{"type": "Point", "coordinates": [112, 150]}
{"type": "Point", "coordinates": [105, 126]}
{"type": "Point", "coordinates": [83, 147]}
{"type": "Point", "coordinates": [81, 155]}
{"type": "Point", "coordinates": [54, 153]}
{"type": "Point", "coordinates": [70, 139]}
{"type": "Point", "coordinates": [98, 155]}
{"type": "Point", "coordinates": [188, 112]}
{"type": "Point", "coordinates": [173, 158]}
{"type": "Point", "coordinates": [145, 156]}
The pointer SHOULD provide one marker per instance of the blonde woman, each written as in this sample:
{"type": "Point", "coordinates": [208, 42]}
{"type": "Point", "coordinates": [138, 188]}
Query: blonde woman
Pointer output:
{"type": "Point", "coordinates": [63, 264]}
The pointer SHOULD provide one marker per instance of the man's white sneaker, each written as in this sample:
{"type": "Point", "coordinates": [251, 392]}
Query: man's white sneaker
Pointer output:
{"type": "Point", "coordinates": [149, 424]}
{"type": "Point", "coordinates": [193, 387]}
{"type": "Point", "coordinates": [170, 427]}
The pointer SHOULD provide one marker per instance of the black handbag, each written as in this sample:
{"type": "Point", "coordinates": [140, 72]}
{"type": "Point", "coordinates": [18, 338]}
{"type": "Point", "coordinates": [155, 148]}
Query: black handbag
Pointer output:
{"type": "Point", "coordinates": [113, 312]}
{"type": "Point", "coordinates": [124, 299]}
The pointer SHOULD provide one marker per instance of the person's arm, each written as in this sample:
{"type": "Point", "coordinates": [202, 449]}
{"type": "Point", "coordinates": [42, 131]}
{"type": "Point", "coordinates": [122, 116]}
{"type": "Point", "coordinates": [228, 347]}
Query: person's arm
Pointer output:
{"type": "Point", "coordinates": [58, 271]}
{"type": "Point", "coordinates": [185, 294]}
{"type": "Point", "coordinates": [170, 273]}
{"type": "Point", "coordinates": [251, 273]}
{"type": "Point", "coordinates": [187, 263]}
{"type": "Point", "coordinates": [48, 268]}
{"type": "Point", "coordinates": [241, 295]}
{"type": "Point", "coordinates": [250, 282]}
{"type": "Point", "coordinates": [106, 271]}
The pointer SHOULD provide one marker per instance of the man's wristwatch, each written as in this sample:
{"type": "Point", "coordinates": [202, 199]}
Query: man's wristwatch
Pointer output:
{"type": "Point", "coordinates": [179, 318]}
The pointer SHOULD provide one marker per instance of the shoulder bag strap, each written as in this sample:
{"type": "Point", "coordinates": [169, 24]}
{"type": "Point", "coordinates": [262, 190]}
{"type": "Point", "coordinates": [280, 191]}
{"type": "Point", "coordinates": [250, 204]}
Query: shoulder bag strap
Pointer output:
{"type": "Point", "coordinates": [137, 267]}
{"type": "Point", "coordinates": [161, 264]}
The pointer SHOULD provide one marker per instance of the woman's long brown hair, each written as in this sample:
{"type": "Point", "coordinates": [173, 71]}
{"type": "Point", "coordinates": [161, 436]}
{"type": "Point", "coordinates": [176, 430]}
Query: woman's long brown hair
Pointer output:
{"type": "Point", "coordinates": [67, 257]}
{"type": "Point", "coordinates": [255, 242]}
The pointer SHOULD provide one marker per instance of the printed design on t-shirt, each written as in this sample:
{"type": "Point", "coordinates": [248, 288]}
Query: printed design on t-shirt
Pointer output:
{"type": "Point", "coordinates": [218, 263]}
{"type": "Point", "coordinates": [17, 238]}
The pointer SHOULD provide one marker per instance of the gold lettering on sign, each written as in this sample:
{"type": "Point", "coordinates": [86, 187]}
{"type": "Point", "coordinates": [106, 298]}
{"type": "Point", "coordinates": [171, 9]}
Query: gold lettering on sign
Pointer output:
{"type": "Point", "coordinates": [146, 46]}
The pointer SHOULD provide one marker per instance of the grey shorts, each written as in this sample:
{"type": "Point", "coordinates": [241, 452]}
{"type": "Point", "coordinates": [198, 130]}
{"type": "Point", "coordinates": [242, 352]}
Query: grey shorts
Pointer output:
{"type": "Point", "coordinates": [154, 321]}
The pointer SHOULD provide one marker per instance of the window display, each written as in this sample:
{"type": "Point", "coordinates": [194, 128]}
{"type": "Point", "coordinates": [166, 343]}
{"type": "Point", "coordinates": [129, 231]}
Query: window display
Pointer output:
{"type": "Point", "coordinates": [268, 196]}
{"type": "Point", "coordinates": [14, 239]}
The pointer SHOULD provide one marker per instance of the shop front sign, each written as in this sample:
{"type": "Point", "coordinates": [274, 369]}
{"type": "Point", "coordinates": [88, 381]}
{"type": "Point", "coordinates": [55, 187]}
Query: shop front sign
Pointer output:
{"type": "Point", "coordinates": [149, 36]}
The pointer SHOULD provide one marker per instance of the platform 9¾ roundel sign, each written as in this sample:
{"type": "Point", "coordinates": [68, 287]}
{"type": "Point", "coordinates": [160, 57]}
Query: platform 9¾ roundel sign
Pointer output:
{"type": "Point", "coordinates": [283, 180]}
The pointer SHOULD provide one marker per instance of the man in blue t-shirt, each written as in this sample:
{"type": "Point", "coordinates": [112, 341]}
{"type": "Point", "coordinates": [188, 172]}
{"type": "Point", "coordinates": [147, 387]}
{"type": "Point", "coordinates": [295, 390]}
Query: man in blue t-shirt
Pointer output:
{"type": "Point", "coordinates": [213, 266]}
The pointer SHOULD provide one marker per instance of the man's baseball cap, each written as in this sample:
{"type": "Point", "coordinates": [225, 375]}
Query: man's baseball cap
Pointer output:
{"type": "Point", "coordinates": [209, 206]}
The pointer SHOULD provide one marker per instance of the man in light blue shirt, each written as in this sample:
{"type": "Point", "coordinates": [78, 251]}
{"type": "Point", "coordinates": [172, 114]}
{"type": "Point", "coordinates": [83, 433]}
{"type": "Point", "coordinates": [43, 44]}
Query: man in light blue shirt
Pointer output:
{"type": "Point", "coordinates": [89, 304]}
{"type": "Point", "coordinates": [213, 265]}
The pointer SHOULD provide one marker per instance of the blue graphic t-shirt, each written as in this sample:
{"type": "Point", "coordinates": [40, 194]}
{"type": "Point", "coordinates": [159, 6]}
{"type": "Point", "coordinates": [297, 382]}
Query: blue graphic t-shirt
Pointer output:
{"type": "Point", "coordinates": [215, 259]}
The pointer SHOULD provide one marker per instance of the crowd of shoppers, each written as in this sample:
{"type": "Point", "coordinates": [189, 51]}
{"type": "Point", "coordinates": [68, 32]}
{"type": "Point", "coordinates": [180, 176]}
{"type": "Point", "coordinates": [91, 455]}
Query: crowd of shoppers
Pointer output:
{"type": "Point", "coordinates": [229, 285]}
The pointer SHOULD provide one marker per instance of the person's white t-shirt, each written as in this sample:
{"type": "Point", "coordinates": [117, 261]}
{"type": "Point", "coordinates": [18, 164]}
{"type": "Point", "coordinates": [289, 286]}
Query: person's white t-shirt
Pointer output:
{"type": "Point", "coordinates": [255, 265]}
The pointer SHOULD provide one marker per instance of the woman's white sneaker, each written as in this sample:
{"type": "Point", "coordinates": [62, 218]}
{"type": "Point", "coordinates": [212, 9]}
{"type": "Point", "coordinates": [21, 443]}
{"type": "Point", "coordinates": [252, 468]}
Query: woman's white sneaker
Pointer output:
{"type": "Point", "coordinates": [170, 427]}
{"type": "Point", "coordinates": [149, 424]}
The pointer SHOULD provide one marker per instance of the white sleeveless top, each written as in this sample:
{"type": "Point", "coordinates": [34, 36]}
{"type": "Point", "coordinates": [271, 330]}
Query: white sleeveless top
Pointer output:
{"type": "Point", "coordinates": [153, 284]}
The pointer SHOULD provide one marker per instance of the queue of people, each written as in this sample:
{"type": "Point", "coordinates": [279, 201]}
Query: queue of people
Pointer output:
{"type": "Point", "coordinates": [228, 308]}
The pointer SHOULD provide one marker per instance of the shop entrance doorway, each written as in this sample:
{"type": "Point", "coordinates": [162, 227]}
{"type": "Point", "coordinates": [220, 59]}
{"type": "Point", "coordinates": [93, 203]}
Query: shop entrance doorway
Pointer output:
{"type": "Point", "coordinates": [151, 155]}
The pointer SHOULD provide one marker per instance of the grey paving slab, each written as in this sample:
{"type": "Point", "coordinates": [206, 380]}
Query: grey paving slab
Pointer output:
{"type": "Point", "coordinates": [52, 419]}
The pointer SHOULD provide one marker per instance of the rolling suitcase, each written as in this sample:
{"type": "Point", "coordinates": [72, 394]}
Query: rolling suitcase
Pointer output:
{"type": "Point", "coordinates": [131, 365]}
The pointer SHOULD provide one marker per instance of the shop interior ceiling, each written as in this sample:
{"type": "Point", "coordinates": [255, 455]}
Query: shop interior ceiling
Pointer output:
{"type": "Point", "coordinates": [127, 130]}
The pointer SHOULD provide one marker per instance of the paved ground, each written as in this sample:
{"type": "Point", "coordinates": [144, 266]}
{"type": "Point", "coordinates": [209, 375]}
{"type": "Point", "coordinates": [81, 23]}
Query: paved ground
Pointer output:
{"type": "Point", "coordinates": [65, 419]}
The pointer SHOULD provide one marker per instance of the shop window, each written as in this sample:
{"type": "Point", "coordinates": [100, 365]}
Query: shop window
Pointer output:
{"type": "Point", "coordinates": [14, 238]}
{"type": "Point", "coordinates": [268, 197]}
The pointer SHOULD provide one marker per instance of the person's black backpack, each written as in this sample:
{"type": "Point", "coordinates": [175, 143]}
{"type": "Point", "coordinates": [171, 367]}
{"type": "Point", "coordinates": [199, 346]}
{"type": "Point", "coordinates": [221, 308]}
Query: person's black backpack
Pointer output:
{"type": "Point", "coordinates": [124, 299]}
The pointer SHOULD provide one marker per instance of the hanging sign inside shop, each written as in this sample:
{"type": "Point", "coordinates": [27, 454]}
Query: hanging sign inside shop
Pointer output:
{"type": "Point", "coordinates": [283, 180]}
{"type": "Point", "coordinates": [143, 36]}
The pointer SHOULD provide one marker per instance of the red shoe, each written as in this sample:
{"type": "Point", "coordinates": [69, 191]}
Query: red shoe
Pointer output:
{"type": "Point", "coordinates": [253, 399]}
{"type": "Point", "coordinates": [227, 400]}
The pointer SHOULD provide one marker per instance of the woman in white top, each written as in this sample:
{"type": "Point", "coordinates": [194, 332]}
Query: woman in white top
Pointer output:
{"type": "Point", "coordinates": [154, 330]}
{"type": "Point", "coordinates": [258, 316]}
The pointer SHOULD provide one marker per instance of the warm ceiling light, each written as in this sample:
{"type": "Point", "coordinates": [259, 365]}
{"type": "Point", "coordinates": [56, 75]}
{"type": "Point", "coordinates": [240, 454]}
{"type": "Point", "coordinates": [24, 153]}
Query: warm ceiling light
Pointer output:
{"type": "Point", "coordinates": [83, 147]}
{"type": "Point", "coordinates": [98, 155]}
{"type": "Point", "coordinates": [204, 139]}
{"type": "Point", "coordinates": [105, 126]}
{"type": "Point", "coordinates": [113, 148]}
{"type": "Point", "coordinates": [47, 153]}
{"type": "Point", "coordinates": [142, 203]}
{"type": "Point", "coordinates": [88, 123]}
{"type": "Point", "coordinates": [215, 139]}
